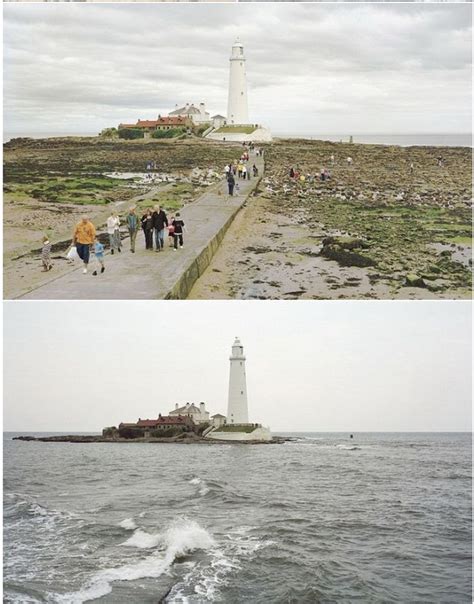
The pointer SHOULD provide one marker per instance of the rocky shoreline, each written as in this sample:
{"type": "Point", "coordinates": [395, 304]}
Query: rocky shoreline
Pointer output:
{"type": "Point", "coordinates": [185, 438]}
{"type": "Point", "coordinates": [394, 224]}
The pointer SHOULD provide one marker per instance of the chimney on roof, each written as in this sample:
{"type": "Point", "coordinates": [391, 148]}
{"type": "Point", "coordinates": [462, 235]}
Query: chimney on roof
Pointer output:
{"type": "Point", "coordinates": [176, 406]}
{"type": "Point", "coordinates": [139, 419]}
{"type": "Point", "coordinates": [187, 404]}
{"type": "Point", "coordinates": [159, 414]}
{"type": "Point", "coordinates": [202, 406]}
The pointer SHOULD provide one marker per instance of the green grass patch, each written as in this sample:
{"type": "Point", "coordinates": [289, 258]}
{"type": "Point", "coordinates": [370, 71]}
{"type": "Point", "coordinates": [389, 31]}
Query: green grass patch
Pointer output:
{"type": "Point", "coordinates": [75, 190]}
{"type": "Point", "coordinates": [461, 240]}
{"type": "Point", "coordinates": [17, 196]}
{"type": "Point", "coordinates": [236, 428]}
{"type": "Point", "coordinates": [235, 129]}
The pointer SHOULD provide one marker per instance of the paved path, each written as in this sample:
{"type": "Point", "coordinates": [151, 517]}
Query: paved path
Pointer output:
{"type": "Point", "coordinates": [157, 275]}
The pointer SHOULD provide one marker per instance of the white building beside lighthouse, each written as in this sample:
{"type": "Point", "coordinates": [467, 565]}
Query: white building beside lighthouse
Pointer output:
{"type": "Point", "coordinates": [237, 426]}
{"type": "Point", "coordinates": [237, 105]}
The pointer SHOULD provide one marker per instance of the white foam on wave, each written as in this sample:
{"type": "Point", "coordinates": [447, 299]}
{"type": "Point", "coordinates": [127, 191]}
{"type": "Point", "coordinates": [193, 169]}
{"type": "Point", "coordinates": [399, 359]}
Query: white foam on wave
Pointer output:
{"type": "Point", "coordinates": [203, 487]}
{"type": "Point", "coordinates": [128, 524]}
{"type": "Point", "coordinates": [348, 447]}
{"type": "Point", "coordinates": [206, 579]}
{"type": "Point", "coordinates": [182, 537]}
{"type": "Point", "coordinates": [143, 540]}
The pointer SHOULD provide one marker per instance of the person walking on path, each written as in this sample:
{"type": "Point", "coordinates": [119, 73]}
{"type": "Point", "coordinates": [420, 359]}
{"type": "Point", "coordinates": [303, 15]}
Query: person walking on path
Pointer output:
{"type": "Point", "coordinates": [132, 224]}
{"type": "Point", "coordinates": [113, 230]}
{"type": "Point", "coordinates": [83, 238]}
{"type": "Point", "coordinates": [178, 225]}
{"type": "Point", "coordinates": [255, 170]}
{"type": "Point", "coordinates": [147, 226]}
{"type": "Point", "coordinates": [46, 255]}
{"type": "Point", "coordinates": [160, 221]}
{"type": "Point", "coordinates": [99, 256]}
{"type": "Point", "coordinates": [244, 172]}
{"type": "Point", "coordinates": [231, 183]}
{"type": "Point", "coordinates": [171, 231]}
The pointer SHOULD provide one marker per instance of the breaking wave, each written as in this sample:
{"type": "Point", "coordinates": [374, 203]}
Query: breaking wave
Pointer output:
{"type": "Point", "coordinates": [206, 579]}
{"type": "Point", "coordinates": [182, 538]}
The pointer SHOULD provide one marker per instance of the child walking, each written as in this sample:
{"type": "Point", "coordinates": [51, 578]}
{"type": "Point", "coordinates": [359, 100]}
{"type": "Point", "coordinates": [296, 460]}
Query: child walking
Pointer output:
{"type": "Point", "coordinates": [99, 256]}
{"type": "Point", "coordinates": [171, 231]}
{"type": "Point", "coordinates": [178, 225]}
{"type": "Point", "coordinates": [46, 255]}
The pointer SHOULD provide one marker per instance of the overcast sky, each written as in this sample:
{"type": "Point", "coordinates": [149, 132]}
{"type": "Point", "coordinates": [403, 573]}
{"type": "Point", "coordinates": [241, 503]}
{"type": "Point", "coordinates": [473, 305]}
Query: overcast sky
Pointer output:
{"type": "Point", "coordinates": [312, 68]}
{"type": "Point", "coordinates": [311, 366]}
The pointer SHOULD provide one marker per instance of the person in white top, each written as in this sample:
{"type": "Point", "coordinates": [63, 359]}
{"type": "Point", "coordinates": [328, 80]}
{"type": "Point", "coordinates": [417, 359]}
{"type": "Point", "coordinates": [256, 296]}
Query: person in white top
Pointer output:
{"type": "Point", "coordinates": [113, 230]}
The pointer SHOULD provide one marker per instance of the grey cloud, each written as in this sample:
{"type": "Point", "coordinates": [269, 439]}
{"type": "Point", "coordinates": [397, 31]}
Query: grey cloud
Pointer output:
{"type": "Point", "coordinates": [333, 57]}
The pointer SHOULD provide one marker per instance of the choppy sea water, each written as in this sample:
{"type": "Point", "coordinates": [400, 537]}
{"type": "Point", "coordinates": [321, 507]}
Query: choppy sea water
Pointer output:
{"type": "Point", "coordinates": [379, 518]}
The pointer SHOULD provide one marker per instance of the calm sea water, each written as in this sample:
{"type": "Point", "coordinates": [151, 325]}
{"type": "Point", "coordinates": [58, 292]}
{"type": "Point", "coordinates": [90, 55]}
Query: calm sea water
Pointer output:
{"type": "Point", "coordinates": [403, 140]}
{"type": "Point", "coordinates": [380, 518]}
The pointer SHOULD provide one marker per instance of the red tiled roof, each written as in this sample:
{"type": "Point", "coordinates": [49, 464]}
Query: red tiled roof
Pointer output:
{"type": "Point", "coordinates": [147, 423]}
{"type": "Point", "coordinates": [173, 420]}
{"type": "Point", "coordinates": [150, 423]}
{"type": "Point", "coordinates": [162, 121]}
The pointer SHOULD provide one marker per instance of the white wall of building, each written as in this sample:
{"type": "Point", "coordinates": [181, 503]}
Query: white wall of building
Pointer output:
{"type": "Point", "coordinates": [259, 135]}
{"type": "Point", "coordinates": [258, 434]}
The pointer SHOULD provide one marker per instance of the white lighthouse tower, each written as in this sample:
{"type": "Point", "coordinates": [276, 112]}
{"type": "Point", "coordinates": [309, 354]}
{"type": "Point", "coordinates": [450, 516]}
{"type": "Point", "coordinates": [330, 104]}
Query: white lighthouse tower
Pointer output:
{"type": "Point", "coordinates": [236, 426]}
{"type": "Point", "coordinates": [237, 107]}
{"type": "Point", "coordinates": [237, 408]}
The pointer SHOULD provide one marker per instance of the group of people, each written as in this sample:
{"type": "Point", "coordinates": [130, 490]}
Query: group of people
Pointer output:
{"type": "Point", "coordinates": [154, 224]}
{"type": "Point", "coordinates": [240, 169]}
{"type": "Point", "coordinates": [85, 241]}
{"type": "Point", "coordinates": [297, 175]}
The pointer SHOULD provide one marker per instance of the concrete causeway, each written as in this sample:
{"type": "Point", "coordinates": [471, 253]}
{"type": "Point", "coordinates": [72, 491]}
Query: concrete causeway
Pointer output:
{"type": "Point", "coordinates": [151, 275]}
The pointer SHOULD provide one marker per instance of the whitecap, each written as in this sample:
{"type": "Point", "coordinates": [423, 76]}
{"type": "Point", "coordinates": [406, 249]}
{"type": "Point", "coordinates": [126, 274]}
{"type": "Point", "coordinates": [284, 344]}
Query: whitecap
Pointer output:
{"type": "Point", "coordinates": [143, 540]}
{"type": "Point", "coordinates": [128, 524]}
{"type": "Point", "coordinates": [183, 537]}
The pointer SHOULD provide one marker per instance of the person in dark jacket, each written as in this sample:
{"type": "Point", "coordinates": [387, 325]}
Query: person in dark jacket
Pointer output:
{"type": "Point", "coordinates": [178, 226]}
{"type": "Point", "coordinates": [133, 225]}
{"type": "Point", "coordinates": [160, 221]}
{"type": "Point", "coordinates": [147, 226]}
{"type": "Point", "coordinates": [230, 183]}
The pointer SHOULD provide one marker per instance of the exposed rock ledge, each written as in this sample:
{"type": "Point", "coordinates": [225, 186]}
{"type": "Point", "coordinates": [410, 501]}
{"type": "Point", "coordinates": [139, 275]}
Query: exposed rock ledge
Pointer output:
{"type": "Point", "coordinates": [186, 438]}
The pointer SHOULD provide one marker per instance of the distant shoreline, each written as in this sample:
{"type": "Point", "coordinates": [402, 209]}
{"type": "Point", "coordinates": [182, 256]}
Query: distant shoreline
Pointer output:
{"type": "Point", "coordinates": [398, 140]}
